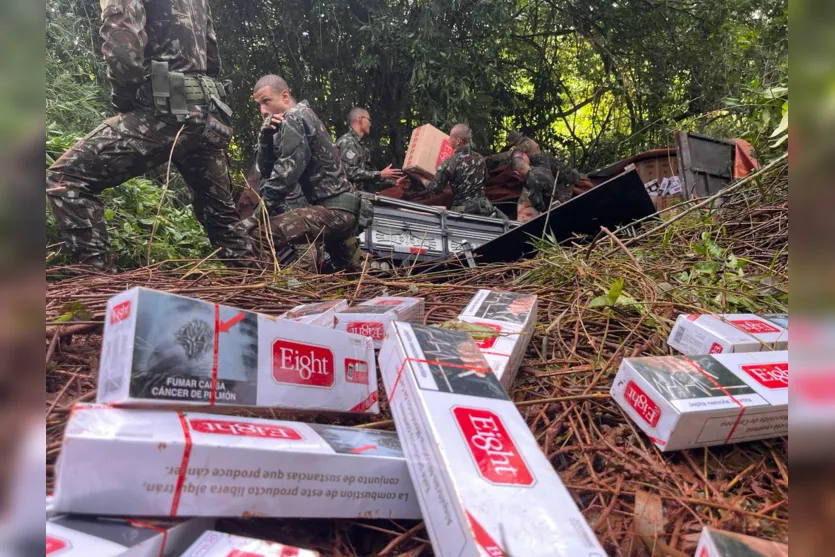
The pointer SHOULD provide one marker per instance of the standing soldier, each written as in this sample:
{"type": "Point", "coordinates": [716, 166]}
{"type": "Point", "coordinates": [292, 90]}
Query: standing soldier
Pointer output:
{"type": "Point", "coordinates": [163, 64]}
{"type": "Point", "coordinates": [464, 171]}
{"type": "Point", "coordinates": [305, 155]}
{"type": "Point", "coordinates": [356, 158]}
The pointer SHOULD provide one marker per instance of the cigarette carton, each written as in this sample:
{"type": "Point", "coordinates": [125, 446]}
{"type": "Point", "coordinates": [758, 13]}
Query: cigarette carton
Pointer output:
{"type": "Point", "coordinates": [702, 401]}
{"type": "Point", "coordinates": [695, 334]}
{"type": "Point", "coordinates": [718, 543]}
{"type": "Point", "coordinates": [484, 486]}
{"type": "Point", "coordinates": [164, 463]}
{"type": "Point", "coordinates": [218, 544]}
{"type": "Point", "coordinates": [319, 313]}
{"type": "Point", "coordinates": [160, 349]}
{"type": "Point", "coordinates": [428, 148]}
{"type": "Point", "coordinates": [84, 536]}
{"type": "Point", "coordinates": [513, 318]}
{"type": "Point", "coordinates": [371, 318]}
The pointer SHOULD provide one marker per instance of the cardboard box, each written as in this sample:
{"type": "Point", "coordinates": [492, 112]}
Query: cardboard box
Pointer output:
{"type": "Point", "coordinates": [695, 334]}
{"type": "Point", "coordinates": [319, 313]}
{"type": "Point", "coordinates": [233, 467]}
{"type": "Point", "coordinates": [371, 318]}
{"type": "Point", "coordinates": [682, 402]}
{"type": "Point", "coordinates": [484, 486]}
{"type": "Point", "coordinates": [84, 536]}
{"type": "Point", "coordinates": [719, 543]}
{"type": "Point", "coordinates": [160, 349]}
{"type": "Point", "coordinates": [218, 544]}
{"type": "Point", "coordinates": [428, 148]}
{"type": "Point", "coordinates": [513, 318]}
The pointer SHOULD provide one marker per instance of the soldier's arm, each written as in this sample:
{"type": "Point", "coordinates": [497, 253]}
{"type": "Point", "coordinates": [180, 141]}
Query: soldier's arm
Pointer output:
{"type": "Point", "coordinates": [292, 155]}
{"type": "Point", "coordinates": [123, 47]}
{"type": "Point", "coordinates": [442, 177]}
{"type": "Point", "coordinates": [536, 189]}
{"type": "Point", "coordinates": [212, 52]}
{"type": "Point", "coordinates": [351, 161]}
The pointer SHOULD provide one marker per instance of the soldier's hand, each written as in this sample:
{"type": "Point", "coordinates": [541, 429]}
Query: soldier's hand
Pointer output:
{"type": "Point", "coordinates": [389, 172]}
{"type": "Point", "coordinates": [403, 182]}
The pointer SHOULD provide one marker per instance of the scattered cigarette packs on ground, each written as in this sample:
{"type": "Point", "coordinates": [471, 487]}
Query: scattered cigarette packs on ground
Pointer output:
{"type": "Point", "coordinates": [162, 349]}
{"type": "Point", "coordinates": [683, 402]}
{"type": "Point", "coordinates": [371, 318]}
{"type": "Point", "coordinates": [126, 462]}
{"type": "Point", "coordinates": [218, 544]}
{"type": "Point", "coordinates": [484, 486]}
{"type": "Point", "coordinates": [695, 334]}
{"type": "Point", "coordinates": [319, 313]}
{"type": "Point", "coordinates": [513, 318]}
{"type": "Point", "coordinates": [718, 543]}
{"type": "Point", "coordinates": [83, 536]}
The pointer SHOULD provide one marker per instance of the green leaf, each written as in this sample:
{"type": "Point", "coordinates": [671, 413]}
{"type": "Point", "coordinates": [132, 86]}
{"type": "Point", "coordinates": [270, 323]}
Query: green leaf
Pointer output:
{"type": "Point", "coordinates": [600, 301]}
{"type": "Point", "coordinates": [784, 125]}
{"type": "Point", "coordinates": [615, 291]}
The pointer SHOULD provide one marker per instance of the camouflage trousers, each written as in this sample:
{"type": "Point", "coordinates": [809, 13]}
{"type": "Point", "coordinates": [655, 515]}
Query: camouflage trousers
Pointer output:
{"type": "Point", "coordinates": [127, 146]}
{"type": "Point", "coordinates": [316, 226]}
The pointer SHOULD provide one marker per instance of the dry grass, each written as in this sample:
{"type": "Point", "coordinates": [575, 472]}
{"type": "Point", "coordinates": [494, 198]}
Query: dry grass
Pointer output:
{"type": "Point", "coordinates": [562, 388]}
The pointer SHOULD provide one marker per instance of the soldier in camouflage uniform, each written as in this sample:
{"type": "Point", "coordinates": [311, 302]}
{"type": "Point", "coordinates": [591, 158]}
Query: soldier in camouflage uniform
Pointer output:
{"type": "Point", "coordinates": [356, 157]}
{"type": "Point", "coordinates": [536, 187]}
{"type": "Point", "coordinates": [305, 155]}
{"type": "Point", "coordinates": [464, 171]}
{"type": "Point", "coordinates": [162, 60]}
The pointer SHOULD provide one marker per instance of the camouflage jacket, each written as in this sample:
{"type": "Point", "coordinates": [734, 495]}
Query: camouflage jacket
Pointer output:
{"type": "Point", "coordinates": [304, 154]}
{"type": "Point", "coordinates": [264, 162]}
{"type": "Point", "coordinates": [135, 32]}
{"type": "Point", "coordinates": [565, 176]}
{"type": "Point", "coordinates": [465, 171]}
{"type": "Point", "coordinates": [356, 159]}
{"type": "Point", "coordinates": [539, 181]}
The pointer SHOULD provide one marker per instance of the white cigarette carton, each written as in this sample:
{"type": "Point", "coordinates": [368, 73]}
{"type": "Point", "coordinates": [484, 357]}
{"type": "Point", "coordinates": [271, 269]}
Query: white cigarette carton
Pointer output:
{"type": "Point", "coordinates": [163, 349]}
{"type": "Point", "coordinates": [218, 544]}
{"type": "Point", "coordinates": [719, 543]}
{"type": "Point", "coordinates": [371, 318]}
{"type": "Point", "coordinates": [682, 402]}
{"type": "Point", "coordinates": [163, 463]}
{"type": "Point", "coordinates": [513, 318]}
{"type": "Point", "coordinates": [484, 486]}
{"type": "Point", "coordinates": [84, 536]}
{"type": "Point", "coordinates": [695, 334]}
{"type": "Point", "coordinates": [319, 313]}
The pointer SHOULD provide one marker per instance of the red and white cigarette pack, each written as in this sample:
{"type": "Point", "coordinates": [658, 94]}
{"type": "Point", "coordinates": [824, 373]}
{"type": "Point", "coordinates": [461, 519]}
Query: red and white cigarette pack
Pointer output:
{"type": "Point", "coordinates": [84, 536]}
{"type": "Point", "coordinates": [318, 313]}
{"type": "Point", "coordinates": [371, 318]}
{"type": "Point", "coordinates": [719, 543]}
{"type": "Point", "coordinates": [165, 463]}
{"type": "Point", "coordinates": [513, 318]}
{"type": "Point", "coordinates": [163, 349]}
{"type": "Point", "coordinates": [682, 402]}
{"type": "Point", "coordinates": [484, 486]}
{"type": "Point", "coordinates": [696, 334]}
{"type": "Point", "coordinates": [218, 544]}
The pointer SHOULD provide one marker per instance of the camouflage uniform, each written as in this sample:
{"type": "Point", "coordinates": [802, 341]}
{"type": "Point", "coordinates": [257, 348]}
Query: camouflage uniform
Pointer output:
{"type": "Point", "coordinates": [305, 155]}
{"type": "Point", "coordinates": [356, 160]}
{"type": "Point", "coordinates": [135, 33]}
{"type": "Point", "coordinates": [307, 257]}
{"type": "Point", "coordinates": [566, 177]}
{"type": "Point", "coordinates": [464, 171]}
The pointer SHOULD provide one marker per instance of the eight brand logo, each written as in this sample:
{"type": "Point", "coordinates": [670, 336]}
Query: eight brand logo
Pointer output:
{"type": "Point", "coordinates": [716, 348]}
{"type": "Point", "coordinates": [55, 545]}
{"type": "Point", "coordinates": [643, 405]}
{"type": "Point", "coordinates": [496, 456]}
{"type": "Point", "coordinates": [487, 343]}
{"type": "Point", "coordinates": [372, 329]}
{"type": "Point", "coordinates": [770, 376]}
{"type": "Point", "coordinates": [244, 429]}
{"type": "Point", "coordinates": [356, 371]}
{"type": "Point", "coordinates": [754, 326]}
{"type": "Point", "coordinates": [693, 316]}
{"type": "Point", "coordinates": [302, 364]}
{"type": "Point", "coordinates": [388, 302]}
{"type": "Point", "coordinates": [120, 312]}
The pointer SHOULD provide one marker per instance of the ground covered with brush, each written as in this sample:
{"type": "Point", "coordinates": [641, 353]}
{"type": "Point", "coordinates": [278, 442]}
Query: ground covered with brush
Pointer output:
{"type": "Point", "coordinates": [598, 303]}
